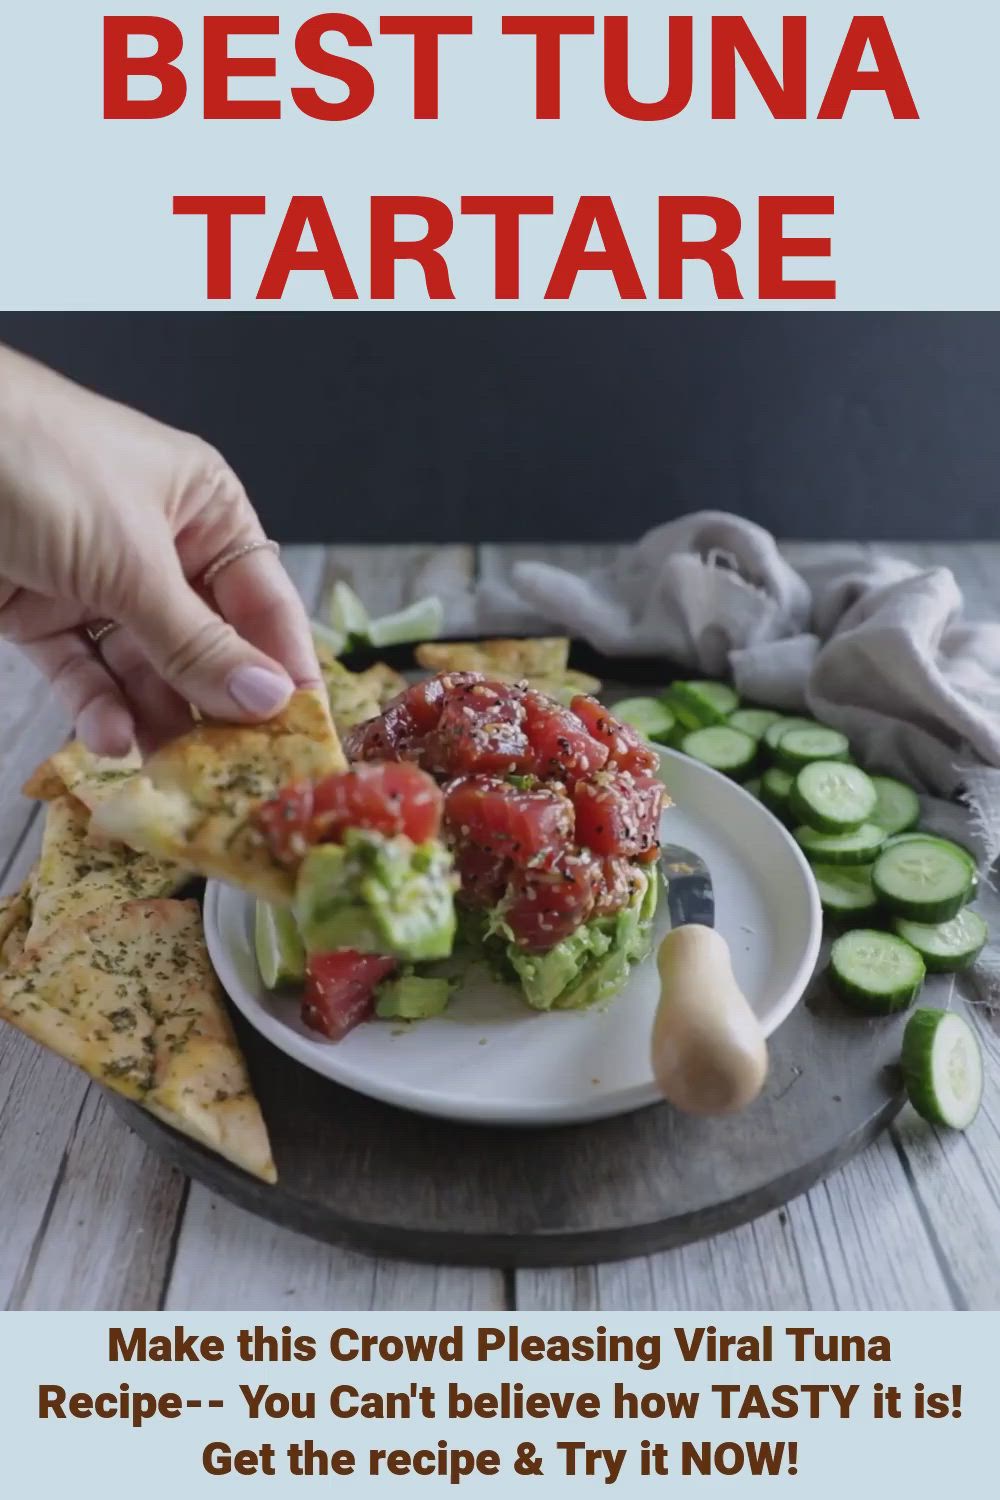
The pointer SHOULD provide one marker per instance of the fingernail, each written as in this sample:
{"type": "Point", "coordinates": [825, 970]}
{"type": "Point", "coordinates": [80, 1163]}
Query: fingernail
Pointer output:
{"type": "Point", "coordinates": [258, 691]}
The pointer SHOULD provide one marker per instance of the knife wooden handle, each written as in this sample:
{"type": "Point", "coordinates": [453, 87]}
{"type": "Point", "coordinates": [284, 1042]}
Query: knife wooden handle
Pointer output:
{"type": "Point", "coordinates": [708, 1051]}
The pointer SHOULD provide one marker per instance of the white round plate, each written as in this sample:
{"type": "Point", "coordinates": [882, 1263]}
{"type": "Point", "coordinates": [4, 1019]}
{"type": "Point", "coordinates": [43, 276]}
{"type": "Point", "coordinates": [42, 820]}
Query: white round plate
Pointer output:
{"type": "Point", "coordinates": [491, 1059]}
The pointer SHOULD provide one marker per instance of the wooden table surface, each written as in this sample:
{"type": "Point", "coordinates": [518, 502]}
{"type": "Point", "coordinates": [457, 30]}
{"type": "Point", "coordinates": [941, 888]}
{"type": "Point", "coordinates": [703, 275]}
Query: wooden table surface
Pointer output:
{"type": "Point", "coordinates": [90, 1218]}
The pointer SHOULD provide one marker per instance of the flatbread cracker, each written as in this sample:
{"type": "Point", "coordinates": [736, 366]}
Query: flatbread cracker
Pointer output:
{"type": "Point", "coordinates": [193, 799]}
{"type": "Point", "coordinates": [75, 769]}
{"type": "Point", "coordinates": [543, 661]}
{"type": "Point", "coordinates": [356, 696]}
{"type": "Point", "coordinates": [76, 874]}
{"type": "Point", "coordinates": [15, 919]}
{"type": "Point", "coordinates": [128, 994]}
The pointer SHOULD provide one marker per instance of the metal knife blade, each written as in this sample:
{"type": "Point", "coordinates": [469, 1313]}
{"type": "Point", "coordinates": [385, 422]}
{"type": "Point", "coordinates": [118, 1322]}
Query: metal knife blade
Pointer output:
{"type": "Point", "coordinates": [689, 886]}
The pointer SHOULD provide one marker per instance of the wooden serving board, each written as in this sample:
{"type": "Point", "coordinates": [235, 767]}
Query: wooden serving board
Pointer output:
{"type": "Point", "coordinates": [357, 1172]}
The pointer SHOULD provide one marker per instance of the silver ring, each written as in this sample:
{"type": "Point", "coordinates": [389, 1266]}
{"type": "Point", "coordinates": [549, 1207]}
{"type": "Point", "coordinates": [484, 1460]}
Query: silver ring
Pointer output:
{"type": "Point", "coordinates": [233, 555]}
{"type": "Point", "coordinates": [96, 633]}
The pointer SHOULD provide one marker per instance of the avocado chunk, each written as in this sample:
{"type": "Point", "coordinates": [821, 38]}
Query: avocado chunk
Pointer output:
{"type": "Point", "coordinates": [593, 963]}
{"type": "Point", "coordinates": [377, 895]}
{"type": "Point", "coordinates": [413, 997]}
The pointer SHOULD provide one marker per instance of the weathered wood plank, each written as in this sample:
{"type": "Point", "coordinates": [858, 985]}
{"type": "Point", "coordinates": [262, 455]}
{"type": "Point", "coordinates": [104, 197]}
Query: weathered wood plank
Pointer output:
{"type": "Point", "coordinates": [856, 1241]}
{"type": "Point", "coordinates": [229, 1259]}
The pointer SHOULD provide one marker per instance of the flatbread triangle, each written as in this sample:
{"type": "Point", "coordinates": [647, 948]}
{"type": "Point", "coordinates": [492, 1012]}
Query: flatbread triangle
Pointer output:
{"type": "Point", "coordinates": [128, 994]}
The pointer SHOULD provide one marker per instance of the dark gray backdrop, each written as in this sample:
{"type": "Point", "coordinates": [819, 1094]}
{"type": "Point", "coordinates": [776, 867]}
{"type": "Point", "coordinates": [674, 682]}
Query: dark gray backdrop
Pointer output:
{"type": "Point", "coordinates": [556, 426]}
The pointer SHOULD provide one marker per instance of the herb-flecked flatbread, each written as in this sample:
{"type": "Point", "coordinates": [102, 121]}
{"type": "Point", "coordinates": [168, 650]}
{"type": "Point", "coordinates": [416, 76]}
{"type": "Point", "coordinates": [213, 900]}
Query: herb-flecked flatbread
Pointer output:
{"type": "Point", "coordinates": [77, 874]}
{"type": "Point", "coordinates": [193, 799]}
{"type": "Point", "coordinates": [543, 661]}
{"type": "Point", "coordinates": [90, 778]}
{"type": "Point", "coordinates": [128, 994]}
{"type": "Point", "coordinates": [15, 919]}
{"type": "Point", "coordinates": [356, 696]}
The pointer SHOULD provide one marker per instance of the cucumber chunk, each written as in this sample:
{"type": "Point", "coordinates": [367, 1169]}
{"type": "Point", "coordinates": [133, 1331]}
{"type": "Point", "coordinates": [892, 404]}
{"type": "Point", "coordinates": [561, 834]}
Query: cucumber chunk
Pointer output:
{"type": "Point", "coordinates": [650, 716]}
{"type": "Point", "coordinates": [857, 848]}
{"type": "Point", "coordinates": [797, 747]}
{"type": "Point", "coordinates": [775, 790]}
{"type": "Point", "coordinates": [687, 719]}
{"type": "Point", "coordinates": [753, 787]}
{"type": "Point", "coordinates": [876, 971]}
{"type": "Point", "coordinates": [773, 735]}
{"type": "Point", "coordinates": [346, 612]}
{"type": "Point", "coordinates": [421, 621]}
{"type": "Point", "coordinates": [924, 879]}
{"type": "Point", "coordinates": [709, 702]}
{"type": "Point", "coordinates": [722, 748]}
{"type": "Point", "coordinates": [898, 807]}
{"type": "Point", "coordinates": [753, 721]}
{"type": "Point", "coordinates": [942, 1068]}
{"type": "Point", "coordinates": [845, 890]}
{"type": "Point", "coordinates": [833, 797]}
{"type": "Point", "coordinates": [946, 947]}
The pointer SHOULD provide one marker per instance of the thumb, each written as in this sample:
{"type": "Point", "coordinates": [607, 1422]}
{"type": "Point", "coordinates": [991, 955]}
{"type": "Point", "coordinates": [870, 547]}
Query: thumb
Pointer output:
{"type": "Point", "coordinates": [202, 657]}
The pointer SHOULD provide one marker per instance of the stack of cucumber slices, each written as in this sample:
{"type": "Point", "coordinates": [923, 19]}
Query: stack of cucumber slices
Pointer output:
{"type": "Point", "coordinates": [903, 894]}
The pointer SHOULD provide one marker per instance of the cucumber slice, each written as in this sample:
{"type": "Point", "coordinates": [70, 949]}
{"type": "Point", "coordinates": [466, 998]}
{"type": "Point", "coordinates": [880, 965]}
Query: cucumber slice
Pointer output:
{"type": "Point", "coordinates": [650, 716]}
{"type": "Point", "coordinates": [875, 970]}
{"type": "Point", "coordinates": [898, 806]}
{"type": "Point", "coordinates": [797, 747]}
{"type": "Point", "coordinates": [832, 797]}
{"type": "Point", "coordinates": [942, 1068]}
{"type": "Point", "coordinates": [346, 612]}
{"type": "Point", "coordinates": [772, 735]}
{"type": "Point", "coordinates": [420, 621]}
{"type": "Point", "coordinates": [710, 702]}
{"type": "Point", "coordinates": [923, 879]}
{"type": "Point", "coordinates": [753, 721]}
{"type": "Point", "coordinates": [946, 947]}
{"type": "Point", "coordinates": [775, 790]}
{"type": "Point", "coordinates": [334, 641]}
{"type": "Point", "coordinates": [281, 957]}
{"type": "Point", "coordinates": [845, 890]}
{"type": "Point", "coordinates": [753, 787]}
{"type": "Point", "coordinates": [908, 838]}
{"type": "Point", "coordinates": [722, 748]}
{"type": "Point", "coordinates": [857, 848]}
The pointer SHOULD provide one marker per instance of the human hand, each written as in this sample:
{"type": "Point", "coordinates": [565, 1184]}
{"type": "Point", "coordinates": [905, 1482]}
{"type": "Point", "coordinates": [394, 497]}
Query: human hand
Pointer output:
{"type": "Point", "coordinates": [107, 515]}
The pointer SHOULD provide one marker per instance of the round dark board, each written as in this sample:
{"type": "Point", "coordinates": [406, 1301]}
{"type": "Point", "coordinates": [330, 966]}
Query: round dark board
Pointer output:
{"type": "Point", "coordinates": [354, 1171]}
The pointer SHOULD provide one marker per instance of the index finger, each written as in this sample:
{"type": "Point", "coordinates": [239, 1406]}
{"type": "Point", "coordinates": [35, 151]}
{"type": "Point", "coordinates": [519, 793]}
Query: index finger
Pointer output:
{"type": "Point", "coordinates": [262, 604]}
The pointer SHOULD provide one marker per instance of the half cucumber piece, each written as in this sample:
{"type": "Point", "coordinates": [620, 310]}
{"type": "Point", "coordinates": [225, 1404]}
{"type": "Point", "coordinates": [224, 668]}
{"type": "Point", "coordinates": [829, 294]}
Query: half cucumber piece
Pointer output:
{"type": "Point", "coordinates": [876, 971]}
{"type": "Point", "coordinates": [724, 749]}
{"type": "Point", "coordinates": [942, 1068]}
{"type": "Point", "coordinates": [846, 890]}
{"type": "Point", "coordinates": [650, 716]}
{"type": "Point", "coordinates": [857, 848]}
{"type": "Point", "coordinates": [833, 797]}
{"type": "Point", "coordinates": [946, 947]}
{"type": "Point", "coordinates": [797, 747]}
{"type": "Point", "coordinates": [897, 808]}
{"type": "Point", "coordinates": [924, 879]}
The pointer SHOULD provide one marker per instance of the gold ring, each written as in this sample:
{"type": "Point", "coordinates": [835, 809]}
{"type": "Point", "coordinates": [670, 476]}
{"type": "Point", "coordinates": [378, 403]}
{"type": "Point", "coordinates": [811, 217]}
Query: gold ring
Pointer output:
{"type": "Point", "coordinates": [96, 633]}
{"type": "Point", "coordinates": [234, 555]}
